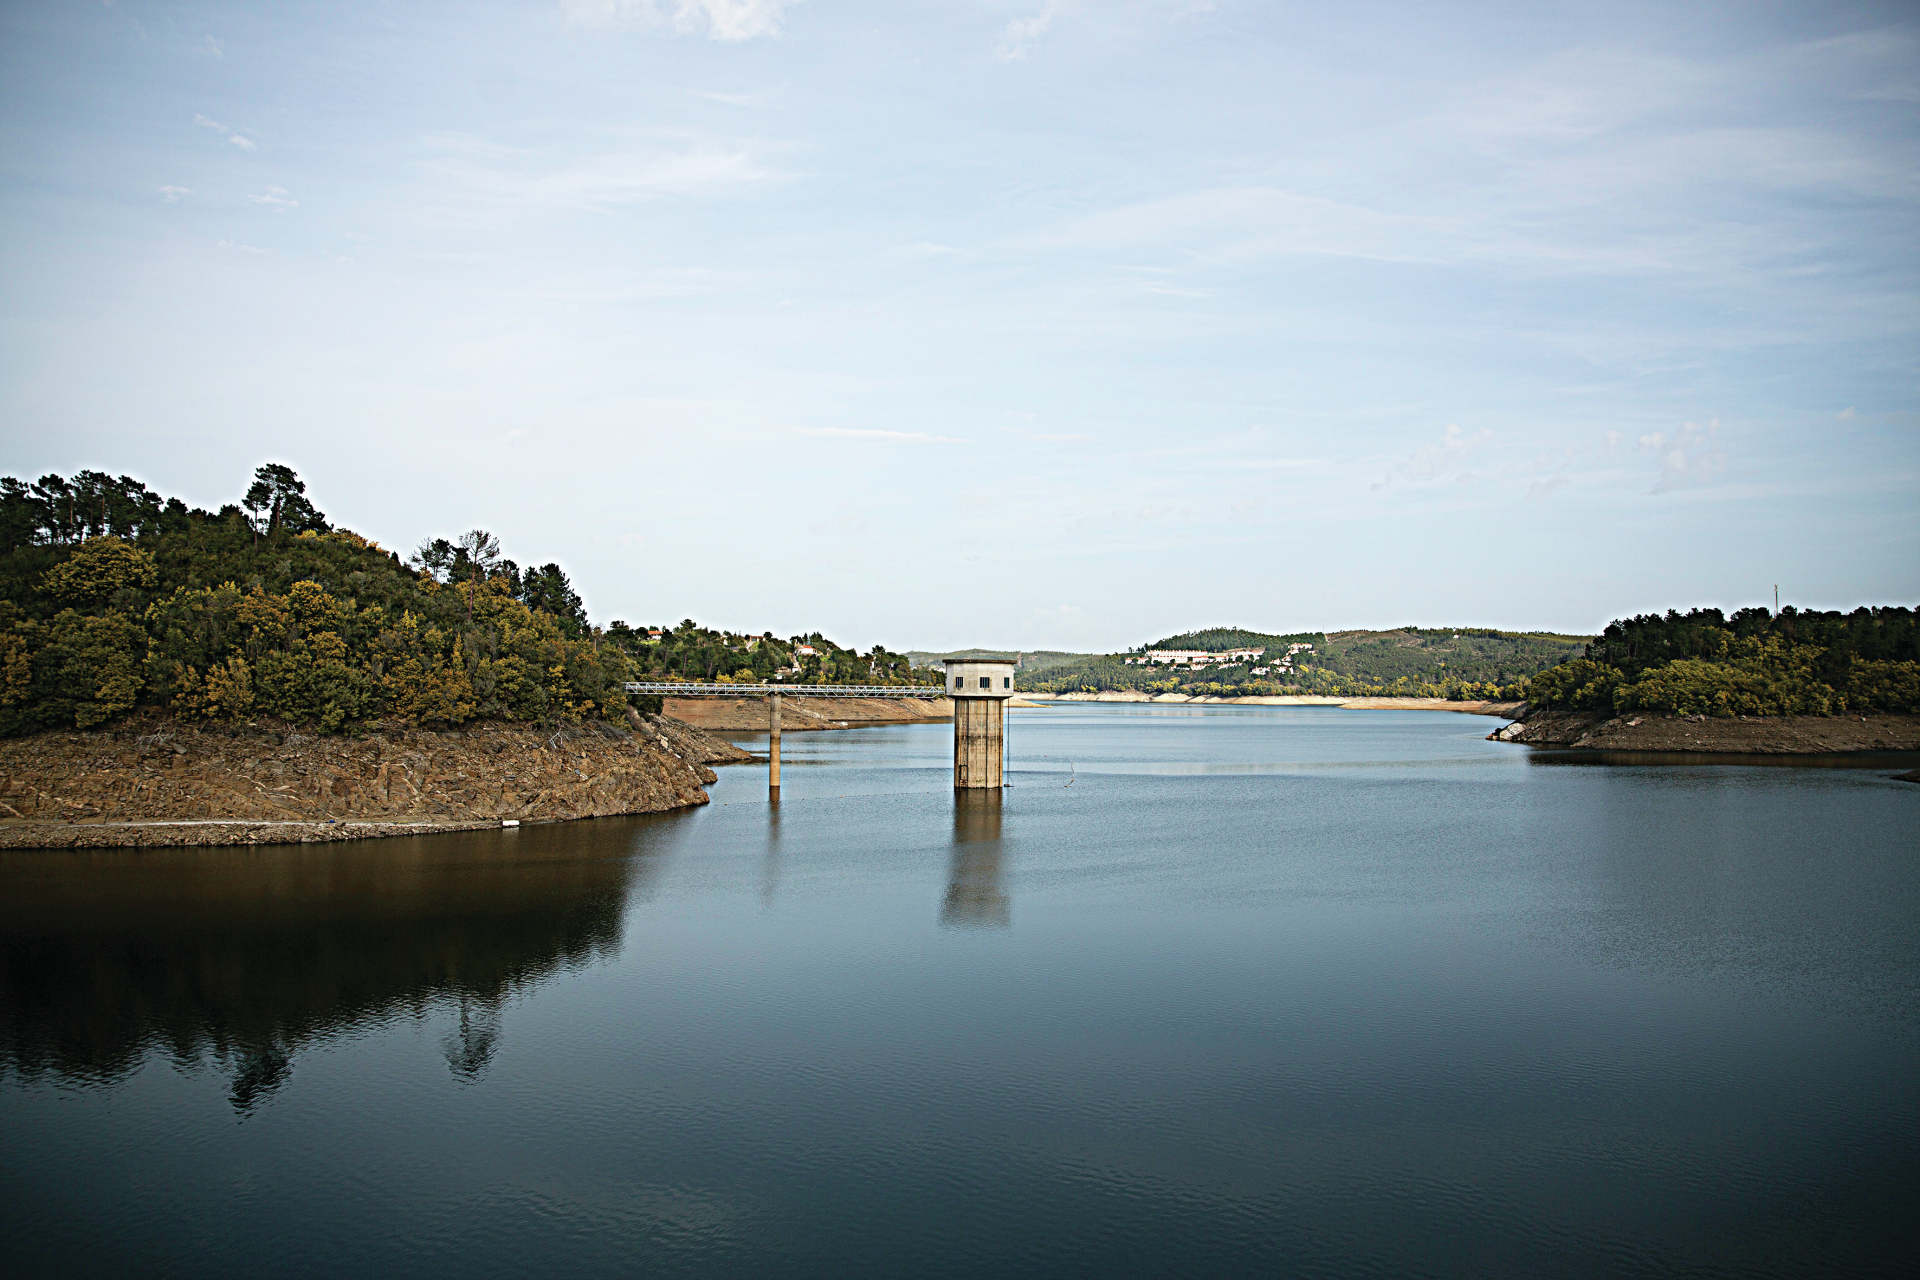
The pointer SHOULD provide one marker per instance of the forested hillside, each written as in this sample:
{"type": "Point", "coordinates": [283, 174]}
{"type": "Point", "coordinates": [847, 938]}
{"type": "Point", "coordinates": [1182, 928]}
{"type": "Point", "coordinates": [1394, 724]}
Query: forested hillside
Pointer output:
{"type": "Point", "coordinates": [1444, 654]}
{"type": "Point", "coordinates": [1755, 663]}
{"type": "Point", "coordinates": [113, 599]}
{"type": "Point", "coordinates": [1030, 660]}
{"type": "Point", "coordinates": [1455, 662]}
{"type": "Point", "coordinates": [693, 652]}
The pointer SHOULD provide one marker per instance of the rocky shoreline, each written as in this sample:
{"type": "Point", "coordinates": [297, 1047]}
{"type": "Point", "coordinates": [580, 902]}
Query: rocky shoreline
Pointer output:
{"type": "Point", "coordinates": [1743, 735]}
{"type": "Point", "coordinates": [157, 781]}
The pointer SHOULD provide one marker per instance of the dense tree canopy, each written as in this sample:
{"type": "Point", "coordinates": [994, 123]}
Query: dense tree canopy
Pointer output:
{"type": "Point", "coordinates": [690, 651]}
{"type": "Point", "coordinates": [1755, 663]}
{"type": "Point", "coordinates": [112, 600]}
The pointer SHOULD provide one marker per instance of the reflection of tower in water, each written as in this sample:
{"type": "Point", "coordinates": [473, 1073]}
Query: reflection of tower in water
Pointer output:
{"type": "Point", "coordinates": [976, 899]}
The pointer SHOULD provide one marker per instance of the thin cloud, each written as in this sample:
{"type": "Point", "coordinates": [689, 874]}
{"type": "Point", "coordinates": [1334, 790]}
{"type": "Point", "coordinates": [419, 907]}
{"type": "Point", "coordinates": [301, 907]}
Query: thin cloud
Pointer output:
{"type": "Point", "coordinates": [477, 173]}
{"type": "Point", "coordinates": [896, 437]}
{"type": "Point", "coordinates": [277, 198]}
{"type": "Point", "coordinates": [1272, 464]}
{"type": "Point", "coordinates": [1430, 461]}
{"type": "Point", "coordinates": [173, 194]}
{"type": "Point", "coordinates": [727, 20]}
{"type": "Point", "coordinates": [1022, 32]}
{"type": "Point", "coordinates": [759, 99]}
{"type": "Point", "coordinates": [1245, 223]}
{"type": "Point", "coordinates": [234, 136]}
{"type": "Point", "coordinates": [1691, 458]}
{"type": "Point", "coordinates": [928, 249]}
{"type": "Point", "coordinates": [216, 47]}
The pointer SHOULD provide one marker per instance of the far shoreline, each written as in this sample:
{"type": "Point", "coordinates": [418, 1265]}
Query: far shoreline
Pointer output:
{"type": "Point", "coordinates": [1478, 708]}
{"type": "Point", "coordinates": [1581, 731]}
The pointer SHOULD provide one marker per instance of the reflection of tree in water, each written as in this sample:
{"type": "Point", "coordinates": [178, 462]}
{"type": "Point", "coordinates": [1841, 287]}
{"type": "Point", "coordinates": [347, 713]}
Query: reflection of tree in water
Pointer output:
{"type": "Point", "coordinates": [258, 1070]}
{"type": "Point", "coordinates": [243, 957]}
{"type": "Point", "coordinates": [976, 897]}
{"type": "Point", "coordinates": [470, 1044]}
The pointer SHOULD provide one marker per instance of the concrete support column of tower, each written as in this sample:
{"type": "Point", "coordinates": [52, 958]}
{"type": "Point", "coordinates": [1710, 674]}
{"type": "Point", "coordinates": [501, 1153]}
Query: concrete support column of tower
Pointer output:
{"type": "Point", "coordinates": [773, 745]}
{"type": "Point", "coordinates": [979, 688]}
{"type": "Point", "coordinates": [979, 742]}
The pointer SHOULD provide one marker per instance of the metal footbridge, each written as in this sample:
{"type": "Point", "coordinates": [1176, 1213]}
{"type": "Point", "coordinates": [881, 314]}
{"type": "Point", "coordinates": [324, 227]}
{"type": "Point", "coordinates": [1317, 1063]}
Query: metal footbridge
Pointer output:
{"type": "Point", "coordinates": [772, 692]}
{"type": "Point", "coordinates": [676, 689]}
{"type": "Point", "coordinates": [979, 688]}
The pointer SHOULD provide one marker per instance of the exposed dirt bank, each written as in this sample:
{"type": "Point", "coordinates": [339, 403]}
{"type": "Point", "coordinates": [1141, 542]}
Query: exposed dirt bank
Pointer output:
{"type": "Point", "coordinates": [1289, 700]}
{"type": "Point", "coordinates": [1769, 735]}
{"type": "Point", "coordinates": [159, 782]}
{"type": "Point", "coordinates": [801, 713]}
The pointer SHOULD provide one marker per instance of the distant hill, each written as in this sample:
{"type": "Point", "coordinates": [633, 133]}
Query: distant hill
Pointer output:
{"type": "Point", "coordinates": [1030, 660]}
{"type": "Point", "coordinates": [1428, 661]}
{"type": "Point", "coordinates": [1221, 639]}
{"type": "Point", "coordinates": [1444, 653]}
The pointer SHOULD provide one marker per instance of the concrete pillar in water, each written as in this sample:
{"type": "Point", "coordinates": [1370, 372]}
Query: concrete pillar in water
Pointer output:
{"type": "Point", "coordinates": [773, 745]}
{"type": "Point", "coordinates": [979, 688]}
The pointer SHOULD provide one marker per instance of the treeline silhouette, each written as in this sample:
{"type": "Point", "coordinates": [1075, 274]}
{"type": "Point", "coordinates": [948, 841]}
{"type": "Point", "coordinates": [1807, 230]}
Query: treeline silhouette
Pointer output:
{"type": "Point", "coordinates": [113, 599]}
{"type": "Point", "coordinates": [1755, 663]}
{"type": "Point", "coordinates": [690, 651]}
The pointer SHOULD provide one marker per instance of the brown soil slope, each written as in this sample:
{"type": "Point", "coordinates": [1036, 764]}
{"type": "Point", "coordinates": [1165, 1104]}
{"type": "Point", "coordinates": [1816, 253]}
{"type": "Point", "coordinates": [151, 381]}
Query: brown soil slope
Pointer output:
{"type": "Point", "coordinates": [1770, 735]}
{"type": "Point", "coordinates": [798, 713]}
{"type": "Point", "coordinates": [162, 782]}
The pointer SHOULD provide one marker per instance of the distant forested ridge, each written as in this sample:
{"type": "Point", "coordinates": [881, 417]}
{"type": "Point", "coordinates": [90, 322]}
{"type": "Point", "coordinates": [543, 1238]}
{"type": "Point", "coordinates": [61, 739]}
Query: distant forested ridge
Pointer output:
{"type": "Point", "coordinates": [1029, 660]}
{"type": "Point", "coordinates": [693, 652]}
{"type": "Point", "coordinates": [1755, 663]}
{"type": "Point", "coordinates": [113, 599]}
{"type": "Point", "coordinates": [1432, 662]}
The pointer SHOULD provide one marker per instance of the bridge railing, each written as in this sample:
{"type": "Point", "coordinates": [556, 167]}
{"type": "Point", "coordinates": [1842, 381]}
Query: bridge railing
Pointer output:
{"type": "Point", "coordinates": [673, 689]}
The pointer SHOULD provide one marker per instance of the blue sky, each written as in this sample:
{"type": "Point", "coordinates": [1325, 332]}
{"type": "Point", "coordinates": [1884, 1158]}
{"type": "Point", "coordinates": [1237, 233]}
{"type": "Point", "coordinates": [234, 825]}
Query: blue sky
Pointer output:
{"type": "Point", "coordinates": [949, 322]}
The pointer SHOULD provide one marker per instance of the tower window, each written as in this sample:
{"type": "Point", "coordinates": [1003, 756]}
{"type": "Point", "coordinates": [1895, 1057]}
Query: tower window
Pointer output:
{"type": "Point", "coordinates": [985, 683]}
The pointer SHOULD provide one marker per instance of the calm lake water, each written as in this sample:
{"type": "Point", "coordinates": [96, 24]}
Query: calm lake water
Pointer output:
{"type": "Point", "coordinates": [1207, 991]}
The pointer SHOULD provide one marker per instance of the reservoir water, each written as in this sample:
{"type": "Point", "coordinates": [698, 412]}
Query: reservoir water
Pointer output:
{"type": "Point", "coordinates": [1206, 991]}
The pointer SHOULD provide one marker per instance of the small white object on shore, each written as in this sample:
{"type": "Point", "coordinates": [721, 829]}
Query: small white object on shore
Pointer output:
{"type": "Point", "coordinates": [509, 822]}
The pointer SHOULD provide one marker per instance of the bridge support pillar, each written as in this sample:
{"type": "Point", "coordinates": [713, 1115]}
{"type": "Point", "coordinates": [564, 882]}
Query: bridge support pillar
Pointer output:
{"type": "Point", "coordinates": [773, 746]}
{"type": "Point", "coordinates": [979, 688]}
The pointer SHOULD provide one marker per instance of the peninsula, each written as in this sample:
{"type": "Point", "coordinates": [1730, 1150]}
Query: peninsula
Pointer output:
{"type": "Point", "coordinates": [170, 675]}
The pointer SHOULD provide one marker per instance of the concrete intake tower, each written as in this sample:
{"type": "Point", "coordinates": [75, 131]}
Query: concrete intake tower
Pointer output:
{"type": "Point", "coordinates": [979, 688]}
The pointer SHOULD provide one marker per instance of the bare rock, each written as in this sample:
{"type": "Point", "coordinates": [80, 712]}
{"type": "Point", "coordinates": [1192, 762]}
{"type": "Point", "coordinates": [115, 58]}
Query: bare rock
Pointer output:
{"type": "Point", "coordinates": [163, 782]}
{"type": "Point", "coordinates": [1740, 735]}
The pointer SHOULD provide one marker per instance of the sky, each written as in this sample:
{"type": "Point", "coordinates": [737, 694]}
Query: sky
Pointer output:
{"type": "Point", "coordinates": [1016, 323]}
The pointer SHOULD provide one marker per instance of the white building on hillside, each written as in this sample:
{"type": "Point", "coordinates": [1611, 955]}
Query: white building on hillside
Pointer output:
{"type": "Point", "coordinates": [1195, 657]}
